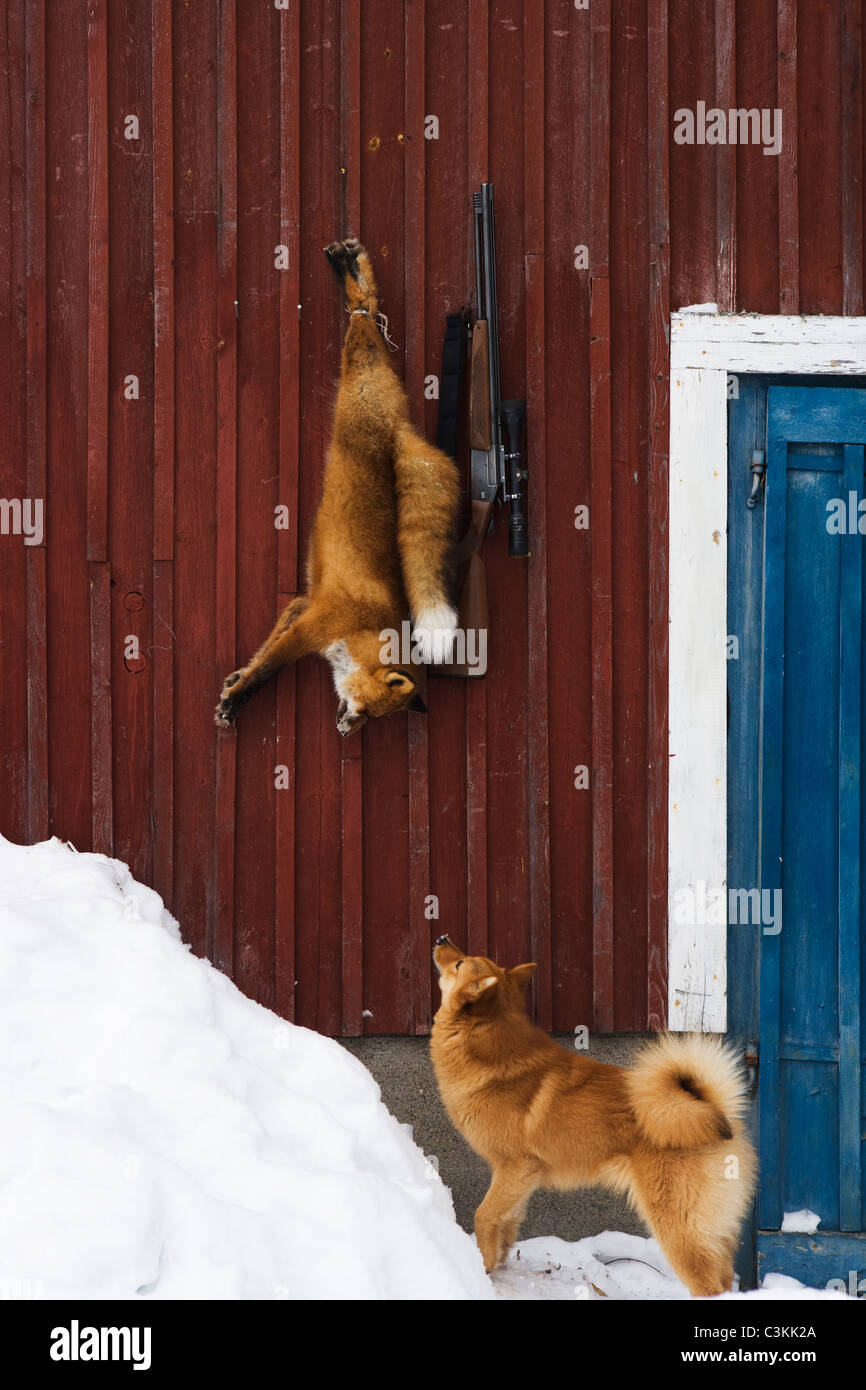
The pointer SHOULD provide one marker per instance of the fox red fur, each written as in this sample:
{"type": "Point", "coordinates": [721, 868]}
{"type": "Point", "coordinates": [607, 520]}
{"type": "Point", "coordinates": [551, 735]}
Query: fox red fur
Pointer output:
{"type": "Point", "coordinates": [667, 1132]}
{"type": "Point", "coordinates": [382, 539]}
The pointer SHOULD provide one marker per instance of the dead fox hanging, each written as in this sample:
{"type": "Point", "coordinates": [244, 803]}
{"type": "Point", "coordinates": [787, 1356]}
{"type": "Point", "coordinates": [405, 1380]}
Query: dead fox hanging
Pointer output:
{"type": "Point", "coordinates": [382, 539]}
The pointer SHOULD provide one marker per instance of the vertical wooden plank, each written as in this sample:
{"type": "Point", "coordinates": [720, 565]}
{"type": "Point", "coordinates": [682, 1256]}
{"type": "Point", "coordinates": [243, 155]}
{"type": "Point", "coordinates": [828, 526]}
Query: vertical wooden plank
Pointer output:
{"type": "Point", "coordinates": [726, 156]}
{"type": "Point", "coordinates": [66, 258]}
{"type": "Point", "coordinates": [97, 332]}
{"type": "Point", "coordinates": [629, 389]}
{"type": "Point", "coordinates": [258, 788]}
{"type": "Point", "coordinates": [351, 749]}
{"type": "Point", "coordinates": [536, 444]}
{"type": "Point", "coordinates": [789, 234]}
{"type": "Point", "coordinates": [601, 522]}
{"type": "Point", "coordinates": [568, 169]}
{"type": "Point", "coordinates": [317, 825]}
{"type": "Point", "coordinates": [448, 273]}
{"type": "Point", "coordinates": [852, 157]}
{"type": "Point", "coordinates": [226, 466]}
{"type": "Point", "coordinates": [478, 128]}
{"type": "Point", "coordinates": [414, 269]}
{"type": "Point", "coordinates": [197, 675]}
{"type": "Point", "coordinates": [352, 891]}
{"type": "Point", "coordinates": [163, 281]}
{"type": "Point", "coordinates": [287, 541]}
{"type": "Point", "coordinates": [757, 190]}
{"type": "Point", "coordinates": [697, 753]}
{"type": "Point", "coordinates": [14, 808]}
{"type": "Point", "coordinates": [850, 727]}
{"type": "Point", "coordinates": [130, 439]}
{"type": "Point", "coordinates": [37, 676]}
{"type": "Point", "coordinates": [507, 727]}
{"type": "Point", "coordinates": [100, 698]}
{"type": "Point", "coordinates": [769, 1198]}
{"type": "Point", "coordinates": [657, 519]}
{"type": "Point", "coordinates": [102, 810]}
{"type": "Point", "coordinates": [819, 154]}
{"type": "Point", "coordinates": [163, 450]}
{"type": "Point", "coordinates": [387, 944]}
{"type": "Point", "coordinates": [691, 78]}
{"type": "Point", "coordinates": [477, 925]}
{"type": "Point", "coordinates": [350, 113]}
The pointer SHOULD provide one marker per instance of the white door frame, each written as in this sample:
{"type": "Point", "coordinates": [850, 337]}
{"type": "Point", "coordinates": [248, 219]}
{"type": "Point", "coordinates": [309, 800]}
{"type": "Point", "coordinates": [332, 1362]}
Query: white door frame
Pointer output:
{"type": "Point", "coordinates": [708, 349]}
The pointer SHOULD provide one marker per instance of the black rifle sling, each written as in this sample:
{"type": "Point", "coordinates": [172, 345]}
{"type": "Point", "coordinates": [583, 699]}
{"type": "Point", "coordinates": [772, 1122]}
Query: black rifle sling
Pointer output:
{"type": "Point", "coordinates": [451, 383]}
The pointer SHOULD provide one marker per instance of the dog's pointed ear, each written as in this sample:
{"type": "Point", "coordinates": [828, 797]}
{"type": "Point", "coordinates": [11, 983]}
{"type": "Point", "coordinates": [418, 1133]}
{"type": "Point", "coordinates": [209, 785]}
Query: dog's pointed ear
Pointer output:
{"type": "Point", "coordinates": [483, 989]}
{"type": "Point", "coordinates": [522, 974]}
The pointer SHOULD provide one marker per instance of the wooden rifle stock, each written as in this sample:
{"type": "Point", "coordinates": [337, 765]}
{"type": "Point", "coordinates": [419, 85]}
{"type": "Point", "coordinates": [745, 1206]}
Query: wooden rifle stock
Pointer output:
{"type": "Point", "coordinates": [479, 387]}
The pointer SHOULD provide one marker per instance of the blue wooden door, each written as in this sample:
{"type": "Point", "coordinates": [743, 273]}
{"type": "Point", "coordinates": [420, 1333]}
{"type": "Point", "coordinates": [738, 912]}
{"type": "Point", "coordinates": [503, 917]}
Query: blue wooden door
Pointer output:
{"type": "Point", "coordinates": [797, 786]}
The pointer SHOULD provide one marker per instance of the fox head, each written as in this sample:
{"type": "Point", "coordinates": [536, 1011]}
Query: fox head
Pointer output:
{"type": "Point", "coordinates": [475, 984]}
{"type": "Point", "coordinates": [371, 694]}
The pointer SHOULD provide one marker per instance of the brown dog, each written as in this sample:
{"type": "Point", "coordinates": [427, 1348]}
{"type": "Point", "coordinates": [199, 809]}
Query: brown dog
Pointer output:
{"type": "Point", "coordinates": [382, 540]}
{"type": "Point", "coordinates": [667, 1132]}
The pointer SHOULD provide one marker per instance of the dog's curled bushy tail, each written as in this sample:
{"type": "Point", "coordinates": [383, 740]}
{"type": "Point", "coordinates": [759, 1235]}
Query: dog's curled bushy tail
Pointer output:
{"type": "Point", "coordinates": [687, 1092]}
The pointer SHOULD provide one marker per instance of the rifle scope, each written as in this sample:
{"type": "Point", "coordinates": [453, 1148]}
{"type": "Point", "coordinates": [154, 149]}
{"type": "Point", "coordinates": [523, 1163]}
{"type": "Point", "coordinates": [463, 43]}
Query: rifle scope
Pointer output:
{"type": "Point", "coordinates": [513, 418]}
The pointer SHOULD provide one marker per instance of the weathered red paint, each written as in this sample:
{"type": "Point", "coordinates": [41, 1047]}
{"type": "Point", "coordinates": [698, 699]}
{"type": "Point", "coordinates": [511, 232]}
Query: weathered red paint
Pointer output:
{"type": "Point", "coordinates": [263, 127]}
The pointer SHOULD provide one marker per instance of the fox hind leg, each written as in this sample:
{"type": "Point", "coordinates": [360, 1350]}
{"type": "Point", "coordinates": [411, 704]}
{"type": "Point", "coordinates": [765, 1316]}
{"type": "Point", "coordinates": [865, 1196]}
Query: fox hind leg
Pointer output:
{"type": "Point", "coordinates": [351, 263]}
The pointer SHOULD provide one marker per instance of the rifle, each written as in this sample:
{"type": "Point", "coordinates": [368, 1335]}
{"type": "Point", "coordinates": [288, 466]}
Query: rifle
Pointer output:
{"type": "Point", "coordinates": [496, 470]}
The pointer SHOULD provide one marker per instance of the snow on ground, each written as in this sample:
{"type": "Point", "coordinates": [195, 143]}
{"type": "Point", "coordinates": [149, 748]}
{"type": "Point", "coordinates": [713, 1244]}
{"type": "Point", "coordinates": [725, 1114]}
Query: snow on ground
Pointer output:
{"type": "Point", "coordinates": [615, 1266]}
{"type": "Point", "coordinates": [164, 1136]}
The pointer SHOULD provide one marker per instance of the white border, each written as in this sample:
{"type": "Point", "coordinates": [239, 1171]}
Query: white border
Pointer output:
{"type": "Point", "coordinates": [706, 349]}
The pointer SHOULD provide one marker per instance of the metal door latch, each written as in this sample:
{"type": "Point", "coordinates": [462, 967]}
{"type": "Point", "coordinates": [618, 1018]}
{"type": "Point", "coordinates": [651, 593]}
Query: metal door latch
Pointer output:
{"type": "Point", "coordinates": [758, 468]}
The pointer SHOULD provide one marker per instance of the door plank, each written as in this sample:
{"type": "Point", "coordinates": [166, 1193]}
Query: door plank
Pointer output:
{"type": "Point", "coordinates": [850, 628]}
{"type": "Point", "coordinates": [769, 1196]}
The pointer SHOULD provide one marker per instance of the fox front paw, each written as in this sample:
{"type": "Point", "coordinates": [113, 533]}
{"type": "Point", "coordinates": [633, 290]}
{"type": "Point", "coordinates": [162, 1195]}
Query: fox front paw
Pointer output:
{"type": "Point", "coordinates": [230, 704]}
{"type": "Point", "coordinates": [434, 632]}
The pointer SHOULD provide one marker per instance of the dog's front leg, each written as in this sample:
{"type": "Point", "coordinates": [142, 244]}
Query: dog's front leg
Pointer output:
{"type": "Point", "coordinates": [497, 1220]}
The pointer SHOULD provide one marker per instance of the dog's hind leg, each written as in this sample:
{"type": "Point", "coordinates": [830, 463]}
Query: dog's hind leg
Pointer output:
{"type": "Point", "coordinates": [700, 1269]}
{"type": "Point", "coordinates": [679, 1221]}
{"type": "Point", "coordinates": [498, 1219]}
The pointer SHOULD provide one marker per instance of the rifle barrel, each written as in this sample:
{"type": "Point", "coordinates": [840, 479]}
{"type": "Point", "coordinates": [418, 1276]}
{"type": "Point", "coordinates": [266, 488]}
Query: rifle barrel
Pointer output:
{"type": "Point", "coordinates": [478, 206]}
{"type": "Point", "coordinates": [492, 314]}
{"type": "Point", "coordinates": [497, 470]}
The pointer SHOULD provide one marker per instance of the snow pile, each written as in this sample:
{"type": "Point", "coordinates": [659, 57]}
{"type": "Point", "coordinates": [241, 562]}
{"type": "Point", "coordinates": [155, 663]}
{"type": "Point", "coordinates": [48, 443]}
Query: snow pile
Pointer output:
{"type": "Point", "coordinates": [163, 1136]}
{"type": "Point", "coordinates": [615, 1266]}
{"type": "Point", "coordinates": [801, 1222]}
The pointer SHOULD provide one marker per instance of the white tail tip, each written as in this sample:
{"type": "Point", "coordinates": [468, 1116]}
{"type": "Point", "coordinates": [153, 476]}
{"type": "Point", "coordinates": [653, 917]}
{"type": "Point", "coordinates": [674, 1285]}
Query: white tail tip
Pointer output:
{"type": "Point", "coordinates": [433, 634]}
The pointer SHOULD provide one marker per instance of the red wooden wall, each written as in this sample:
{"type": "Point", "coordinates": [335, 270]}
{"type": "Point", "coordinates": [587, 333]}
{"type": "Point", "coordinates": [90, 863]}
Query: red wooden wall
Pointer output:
{"type": "Point", "coordinates": [262, 126]}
